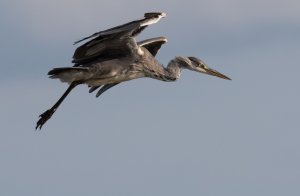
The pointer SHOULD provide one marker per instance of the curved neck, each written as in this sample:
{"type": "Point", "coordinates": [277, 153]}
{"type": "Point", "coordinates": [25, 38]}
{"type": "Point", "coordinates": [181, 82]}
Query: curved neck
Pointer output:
{"type": "Point", "coordinates": [175, 65]}
{"type": "Point", "coordinates": [173, 70]}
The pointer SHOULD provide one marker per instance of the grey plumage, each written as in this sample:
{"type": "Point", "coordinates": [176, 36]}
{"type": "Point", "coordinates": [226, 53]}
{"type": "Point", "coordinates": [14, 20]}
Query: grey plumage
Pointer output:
{"type": "Point", "coordinates": [152, 45]}
{"type": "Point", "coordinates": [113, 56]}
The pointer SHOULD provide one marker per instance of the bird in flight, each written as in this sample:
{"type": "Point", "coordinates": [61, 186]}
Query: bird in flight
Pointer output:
{"type": "Point", "coordinates": [113, 56]}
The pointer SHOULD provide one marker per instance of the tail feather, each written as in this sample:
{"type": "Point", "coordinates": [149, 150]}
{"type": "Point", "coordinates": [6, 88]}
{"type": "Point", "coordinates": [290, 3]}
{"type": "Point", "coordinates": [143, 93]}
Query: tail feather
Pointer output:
{"type": "Point", "coordinates": [69, 74]}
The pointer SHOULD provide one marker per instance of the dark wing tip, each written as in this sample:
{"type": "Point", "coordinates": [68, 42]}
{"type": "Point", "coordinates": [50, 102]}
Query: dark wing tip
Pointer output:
{"type": "Point", "coordinates": [85, 38]}
{"type": "Point", "coordinates": [154, 14]}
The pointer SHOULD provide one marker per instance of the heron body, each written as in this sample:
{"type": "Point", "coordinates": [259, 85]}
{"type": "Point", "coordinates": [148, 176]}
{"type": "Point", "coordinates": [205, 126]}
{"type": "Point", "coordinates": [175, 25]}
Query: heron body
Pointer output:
{"type": "Point", "coordinates": [114, 56]}
{"type": "Point", "coordinates": [110, 71]}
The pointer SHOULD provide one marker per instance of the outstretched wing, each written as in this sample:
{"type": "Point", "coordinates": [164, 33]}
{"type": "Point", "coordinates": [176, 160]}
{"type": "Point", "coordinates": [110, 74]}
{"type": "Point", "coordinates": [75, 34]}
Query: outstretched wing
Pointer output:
{"type": "Point", "coordinates": [112, 43]}
{"type": "Point", "coordinates": [152, 45]}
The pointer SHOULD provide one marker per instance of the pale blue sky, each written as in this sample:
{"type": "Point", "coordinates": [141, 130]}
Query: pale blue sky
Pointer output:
{"type": "Point", "coordinates": [198, 136]}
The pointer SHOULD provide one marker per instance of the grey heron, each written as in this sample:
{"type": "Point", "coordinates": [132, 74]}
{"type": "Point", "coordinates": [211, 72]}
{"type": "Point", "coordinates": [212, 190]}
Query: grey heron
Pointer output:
{"type": "Point", "coordinates": [113, 56]}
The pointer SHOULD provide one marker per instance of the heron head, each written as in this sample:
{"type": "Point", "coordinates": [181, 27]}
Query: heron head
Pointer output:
{"type": "Point", "coordinates": [195, 64]}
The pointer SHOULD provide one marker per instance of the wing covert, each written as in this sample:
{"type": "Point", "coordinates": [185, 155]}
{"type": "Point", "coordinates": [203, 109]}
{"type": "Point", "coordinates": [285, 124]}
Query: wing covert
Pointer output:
{"type": "Point", "coordinates": [108, 45]}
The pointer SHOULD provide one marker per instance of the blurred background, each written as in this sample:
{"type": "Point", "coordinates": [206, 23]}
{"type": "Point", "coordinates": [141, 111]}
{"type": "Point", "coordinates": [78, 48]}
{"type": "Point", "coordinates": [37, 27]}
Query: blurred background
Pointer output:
{"type": "Point", "coordinates": [200, 135]}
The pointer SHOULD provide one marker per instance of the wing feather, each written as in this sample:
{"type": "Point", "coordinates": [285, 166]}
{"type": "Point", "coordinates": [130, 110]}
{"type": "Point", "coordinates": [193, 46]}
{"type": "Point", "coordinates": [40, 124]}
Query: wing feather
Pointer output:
{"type": "Point", "coordinates": [153, 45]}
{"type": "Point", "coordinates": [108, 44]}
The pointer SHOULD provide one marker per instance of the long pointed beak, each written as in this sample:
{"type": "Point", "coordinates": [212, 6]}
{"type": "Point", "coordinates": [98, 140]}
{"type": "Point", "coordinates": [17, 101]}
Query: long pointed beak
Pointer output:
{"type": "Point", "coordinates": [212, 72]}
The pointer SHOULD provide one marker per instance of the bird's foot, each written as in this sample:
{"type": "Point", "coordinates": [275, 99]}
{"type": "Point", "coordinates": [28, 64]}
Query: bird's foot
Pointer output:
{"type": "Point", "coordinates": [44, 117]}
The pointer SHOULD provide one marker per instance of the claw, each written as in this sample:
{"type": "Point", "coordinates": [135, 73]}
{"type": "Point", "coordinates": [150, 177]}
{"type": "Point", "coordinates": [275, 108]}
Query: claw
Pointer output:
{"type": "Point", "coordinates": [43, 118]}
{"type": "Point", "coordinates": [47, 115]}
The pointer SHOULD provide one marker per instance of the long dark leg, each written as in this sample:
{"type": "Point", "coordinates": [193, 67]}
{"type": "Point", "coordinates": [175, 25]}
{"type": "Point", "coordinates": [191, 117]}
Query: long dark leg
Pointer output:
{"type": "Point", "coordinates": [47, 114]}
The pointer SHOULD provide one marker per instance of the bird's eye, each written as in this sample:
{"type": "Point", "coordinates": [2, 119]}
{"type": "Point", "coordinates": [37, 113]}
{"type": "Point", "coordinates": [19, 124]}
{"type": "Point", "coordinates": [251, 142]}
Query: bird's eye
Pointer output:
{"type": "Point", "coordinates": [201, 65]}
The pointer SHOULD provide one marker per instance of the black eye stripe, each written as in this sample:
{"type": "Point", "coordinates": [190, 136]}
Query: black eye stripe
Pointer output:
{"type": "Point", "coordinates": [194, 60]}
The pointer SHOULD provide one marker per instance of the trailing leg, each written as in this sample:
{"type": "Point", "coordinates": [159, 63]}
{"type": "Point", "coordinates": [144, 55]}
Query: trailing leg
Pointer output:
{"type": "Point", "coordinates": [44, 117]}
